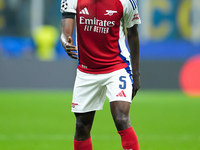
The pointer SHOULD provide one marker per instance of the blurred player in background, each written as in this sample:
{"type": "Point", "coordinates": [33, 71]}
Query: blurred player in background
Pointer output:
{"type": "Point", "coordinates": [106, 67]}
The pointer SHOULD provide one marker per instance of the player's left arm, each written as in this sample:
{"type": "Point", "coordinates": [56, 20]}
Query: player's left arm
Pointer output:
{"type": "Point", "coordinates": [134, 46]}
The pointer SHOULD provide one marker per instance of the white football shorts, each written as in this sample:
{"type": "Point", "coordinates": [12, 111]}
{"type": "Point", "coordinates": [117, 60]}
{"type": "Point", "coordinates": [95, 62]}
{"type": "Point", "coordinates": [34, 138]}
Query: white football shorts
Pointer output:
{"type": "Point", "coordinates": [90, 90]}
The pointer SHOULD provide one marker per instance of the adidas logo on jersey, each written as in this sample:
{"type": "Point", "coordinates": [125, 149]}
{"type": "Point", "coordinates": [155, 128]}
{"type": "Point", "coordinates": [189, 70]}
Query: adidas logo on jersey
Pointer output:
{"type": "Point", "coordinates": [121, 94]}
{"type": "Point", "coordinates": [84, 11]}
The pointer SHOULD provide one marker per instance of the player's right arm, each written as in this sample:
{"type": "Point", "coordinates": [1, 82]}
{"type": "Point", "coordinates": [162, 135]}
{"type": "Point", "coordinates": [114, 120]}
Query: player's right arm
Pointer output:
{"type": "Point", "coordinates": [68, 10]}
{"type": "Point", "coordinates": [67, 26]}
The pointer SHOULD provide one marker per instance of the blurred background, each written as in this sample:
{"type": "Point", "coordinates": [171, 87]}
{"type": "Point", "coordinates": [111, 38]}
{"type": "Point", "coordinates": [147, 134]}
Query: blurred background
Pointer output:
{"type": "Point", "coordinates": [37, 77]}
{"type": "Point", "coordinates": [31, 55]}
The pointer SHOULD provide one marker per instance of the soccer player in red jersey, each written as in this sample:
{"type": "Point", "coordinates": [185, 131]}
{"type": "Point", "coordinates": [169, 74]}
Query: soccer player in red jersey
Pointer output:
{"type": "Point", "coordinates": [106, 67]}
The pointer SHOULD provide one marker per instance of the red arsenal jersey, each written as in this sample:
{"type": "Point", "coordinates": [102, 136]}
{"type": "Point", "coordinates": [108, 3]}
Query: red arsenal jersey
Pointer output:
{"type": "Point", "coordinates": [100, 32]}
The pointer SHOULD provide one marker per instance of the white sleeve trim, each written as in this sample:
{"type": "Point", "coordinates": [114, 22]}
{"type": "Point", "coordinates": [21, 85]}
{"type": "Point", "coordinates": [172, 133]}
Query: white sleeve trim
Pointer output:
{"type": "Point", "coordinates": [131, 15]}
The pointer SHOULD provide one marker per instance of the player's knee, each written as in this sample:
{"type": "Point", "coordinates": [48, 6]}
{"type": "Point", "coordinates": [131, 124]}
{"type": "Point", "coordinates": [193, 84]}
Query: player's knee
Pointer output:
{"type": "Point", "coordinates": [122, 122]}
{"type": "Point", "coordinates": [121, 119]}
{"type": "Point", "coordinates": [82, 129]}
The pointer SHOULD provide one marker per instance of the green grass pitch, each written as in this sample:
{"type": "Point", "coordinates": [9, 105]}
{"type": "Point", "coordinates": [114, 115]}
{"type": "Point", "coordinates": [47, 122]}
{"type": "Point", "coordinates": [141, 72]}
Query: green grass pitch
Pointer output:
{"type": "Point", "coordinates": [42, 120]}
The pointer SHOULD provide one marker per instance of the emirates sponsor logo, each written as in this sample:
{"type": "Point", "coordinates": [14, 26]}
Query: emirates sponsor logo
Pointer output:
{"type": "Point", "coordinates": [94, 24]}
{"type": "Point", "coordinates": [95, 21]}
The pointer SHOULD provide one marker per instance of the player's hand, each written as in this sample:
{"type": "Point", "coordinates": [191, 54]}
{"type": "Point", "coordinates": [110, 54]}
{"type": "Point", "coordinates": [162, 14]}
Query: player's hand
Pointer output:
{"type": "Point", "coordinates": [67, 44]}
{"type": "Point", "coordinates": [136, 83]}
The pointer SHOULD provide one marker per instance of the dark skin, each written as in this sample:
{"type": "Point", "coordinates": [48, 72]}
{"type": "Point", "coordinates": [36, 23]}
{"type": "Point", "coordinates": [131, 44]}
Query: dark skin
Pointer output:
{"type": "Point", "coordinates": [134, 45]}
{"type": "Point", "coordinates": [119, 109]}
{"type": "Point", "coordinates": [66, 37]}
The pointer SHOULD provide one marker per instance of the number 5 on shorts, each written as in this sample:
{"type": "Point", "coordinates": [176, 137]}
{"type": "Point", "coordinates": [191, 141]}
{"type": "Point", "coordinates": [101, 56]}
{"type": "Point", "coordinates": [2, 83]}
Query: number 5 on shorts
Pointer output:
{"type": "Point", "coordinates": [123, 80]}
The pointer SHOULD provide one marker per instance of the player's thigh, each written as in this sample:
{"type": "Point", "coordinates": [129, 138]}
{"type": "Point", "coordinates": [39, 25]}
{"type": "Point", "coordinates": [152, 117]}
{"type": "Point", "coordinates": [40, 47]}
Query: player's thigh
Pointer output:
{"type": "Point", "coordinates": [120, 108]}
{"type": "Point", "coordinates": [120, 114]}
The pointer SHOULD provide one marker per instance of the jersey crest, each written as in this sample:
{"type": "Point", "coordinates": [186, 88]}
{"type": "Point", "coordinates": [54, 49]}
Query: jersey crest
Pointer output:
{"type": "Point", "coordinates": [110, 12]}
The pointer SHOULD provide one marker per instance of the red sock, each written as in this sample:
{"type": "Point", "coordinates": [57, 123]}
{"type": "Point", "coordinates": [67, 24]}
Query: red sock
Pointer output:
{"type": "Point", "coordinates": [129, 139]}
{"type": "Point", "coordinates": [83, 145]}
